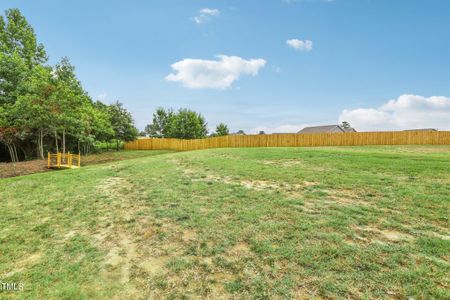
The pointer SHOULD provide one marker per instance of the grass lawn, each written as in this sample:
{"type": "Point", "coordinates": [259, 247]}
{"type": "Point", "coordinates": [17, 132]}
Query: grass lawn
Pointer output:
{"type": "Point", "coordinates": [336, 222]}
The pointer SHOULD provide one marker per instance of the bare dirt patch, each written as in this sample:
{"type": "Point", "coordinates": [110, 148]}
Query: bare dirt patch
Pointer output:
{"type": "Point", "coordinates": [345, 197]}
{"type": "Point", "coordinates": [154, 265]}
{"type": "Point", "coordinates": [23, 168]}
{"type": "Point", "coordinates": [445, 237]}
{"type": "Point", "coordinates": [240, 248]}
{"type": "Point", "coordinates": [114, 187]}
{"type": "Point", "coordinates": [292, 162]}
{"type": "Point", "coordinates": [293, 189]}
{"type": "Point", "coordinates": [188, 235]}
{"type": "Point", "coordinates": [384, 235]}
{"type": "Point", "coordinates": [282, 162]}
{"type": "Point", "coordinates": [24, 263]}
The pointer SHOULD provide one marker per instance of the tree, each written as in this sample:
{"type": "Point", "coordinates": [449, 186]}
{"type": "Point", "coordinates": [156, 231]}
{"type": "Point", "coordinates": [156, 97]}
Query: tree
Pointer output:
{"type": "Point", "coordinates": [261, 132]}
{"type": "Point", "coordinates": [187, 124]}
{"type": "Point", "coordinates": [95, 126]}
{"type": "Point", "coordinates": [122, 124]}
{"type": "Point", "coordinates": [69, 101]}
{"type": "Point", "coordinates": [18, 37]}
{"type": "Point", "coordinates": [346, 125]}
{"type": "Point", "coordinates": [222, 129]}
{"type": "Point", "coordinates": [162, 120]}
{"type": "Point", "coordinates": [183, 124]}
{"type": "Point", "coordinates": [108, 133]}
{"type": "Point", "coordinates": [33, 111]}
{"type": "Point", "coordinates": [8, 134]}
{"type": "Point", "coordinates": [241, 132]}
{"type": "Point", "coordinates": [20, 53]}
{"type": "Point", "coordinates": [38, 101]}
{"type": "Point", "coordinates": [13, 73]}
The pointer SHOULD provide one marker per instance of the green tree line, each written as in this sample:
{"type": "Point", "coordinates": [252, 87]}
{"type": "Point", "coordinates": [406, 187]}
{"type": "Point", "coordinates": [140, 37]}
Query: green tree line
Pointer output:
{"type": "Point", "coordinates": [45, 108]}
{"type": "Point", "coordinates": [181, 124]}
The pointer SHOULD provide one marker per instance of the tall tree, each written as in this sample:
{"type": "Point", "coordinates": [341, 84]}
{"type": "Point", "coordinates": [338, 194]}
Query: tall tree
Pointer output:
{"type": "Point", "coordinates": [183, 124]}
{"type": "Point", "coordinates": [18, 37]}
{"type": "Point", "coordinates": [19, 54]}
{"type": "Point", "coordinates": [162, 120]}
{"type": "Point", "coordinates": [122, 123]}
{"type": "Point", "coordinates": [222, 129]}
{"type": "Point", "coordinates": [188, 124]}
{"type": "Point", "coordinates": [70, 99]}
{"type": "Point", "coordinates": [8, 133]}
{"type": "Point", "coordinates": [33, 109]}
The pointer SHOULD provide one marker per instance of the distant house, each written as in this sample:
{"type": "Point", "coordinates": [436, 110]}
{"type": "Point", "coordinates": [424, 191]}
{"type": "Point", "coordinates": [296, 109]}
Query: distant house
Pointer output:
{"type": "Point", "coordinates": [422, 129]}
{"type": "Point", "coordinates": [326, 129]}
{"type": "Point", "coordinates": [239, 132]}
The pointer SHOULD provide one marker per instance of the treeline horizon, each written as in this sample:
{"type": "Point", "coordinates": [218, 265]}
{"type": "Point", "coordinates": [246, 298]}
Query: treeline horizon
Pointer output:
{"type": "Point", "coordinates": [45, 108]}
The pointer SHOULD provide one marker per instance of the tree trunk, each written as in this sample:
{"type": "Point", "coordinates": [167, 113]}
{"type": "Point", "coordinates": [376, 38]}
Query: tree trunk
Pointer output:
{"type": "Point", "coordinates": [11, 152]}
{"type": "Point", "coordinates": [41, 144]}
{"type": "Point", "coordinates": [25, 153]}
{"type": "Point", "coordinates": [78, 145]}
{"type": "Point", "coordinates": [56, 141]}
{"type": "Point", "coordinates": [16, 157]}
{"type": "Point", "coordinates": [64, 143]}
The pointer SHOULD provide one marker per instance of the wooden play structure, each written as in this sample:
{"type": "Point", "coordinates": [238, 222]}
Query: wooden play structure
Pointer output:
{"type": "Point", "coordinates": [63, 160]}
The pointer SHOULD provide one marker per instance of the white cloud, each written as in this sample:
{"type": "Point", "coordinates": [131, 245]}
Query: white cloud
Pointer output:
{"type": "Point", "coordinates": [215, 74]}
{"type": "Point", "coordinates": [300, 45]}
{"type": "Point", "coordinates": [406, 112]}
{"type": "Point", "coordinates": [209, 11]}
{"type": "Point", "coordinates": [205, 15]}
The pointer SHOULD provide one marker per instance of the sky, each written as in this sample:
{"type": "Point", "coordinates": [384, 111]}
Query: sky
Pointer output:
{"type": "Point", "coordinates": [272, 65]}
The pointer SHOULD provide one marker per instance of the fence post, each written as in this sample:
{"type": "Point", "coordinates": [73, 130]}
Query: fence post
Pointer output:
{"type": "Point", "coordinates": [79, 159]}
{"type": "Point", "coordinates": [58, 160]}
{"type": "Point", "coordinates": [48, 160]}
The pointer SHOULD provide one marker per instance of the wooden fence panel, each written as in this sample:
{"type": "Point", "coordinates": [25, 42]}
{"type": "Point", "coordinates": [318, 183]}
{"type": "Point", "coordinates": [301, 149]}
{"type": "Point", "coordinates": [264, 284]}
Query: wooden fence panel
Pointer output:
{"type": "Point", "coordinates": [296, 140]}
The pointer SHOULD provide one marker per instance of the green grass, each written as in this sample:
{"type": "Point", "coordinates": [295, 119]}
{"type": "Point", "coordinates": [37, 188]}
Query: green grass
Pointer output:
{"type": "Point", "coordinates": [341, 222]}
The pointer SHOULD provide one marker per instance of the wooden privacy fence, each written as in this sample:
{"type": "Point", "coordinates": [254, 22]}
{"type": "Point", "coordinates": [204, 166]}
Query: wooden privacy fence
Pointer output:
{"type": "Point", "coordinates": [296, 140]}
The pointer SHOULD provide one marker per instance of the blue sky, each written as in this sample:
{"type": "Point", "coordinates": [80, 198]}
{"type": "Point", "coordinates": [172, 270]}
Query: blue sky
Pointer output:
{"type": "Point", "coordinates": [380, 64]}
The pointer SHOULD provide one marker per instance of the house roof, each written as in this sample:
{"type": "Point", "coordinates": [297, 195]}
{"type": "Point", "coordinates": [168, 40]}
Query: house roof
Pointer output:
{"type": "Point", "coordinates": [422, 129]}
{"type": "Point", "coordinates": [325, 129]}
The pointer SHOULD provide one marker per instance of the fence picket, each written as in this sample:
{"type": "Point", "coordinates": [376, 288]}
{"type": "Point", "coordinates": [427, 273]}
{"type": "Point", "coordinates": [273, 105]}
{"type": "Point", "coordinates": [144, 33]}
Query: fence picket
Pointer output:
{"type": "Point", "coordinates": [296, 140]}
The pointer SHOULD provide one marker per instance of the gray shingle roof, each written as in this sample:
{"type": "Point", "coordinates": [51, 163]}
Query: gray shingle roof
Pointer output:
{"type": "Point", "coordinates": [422, 129]}
{"type": "Point", "coordinates": [326, 129]}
